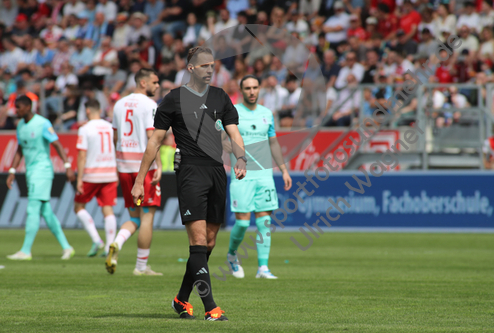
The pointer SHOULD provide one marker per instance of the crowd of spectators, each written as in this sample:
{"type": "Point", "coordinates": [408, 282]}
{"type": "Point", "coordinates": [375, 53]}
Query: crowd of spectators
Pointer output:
{"type": "Point", "coordinates": [62, 52]}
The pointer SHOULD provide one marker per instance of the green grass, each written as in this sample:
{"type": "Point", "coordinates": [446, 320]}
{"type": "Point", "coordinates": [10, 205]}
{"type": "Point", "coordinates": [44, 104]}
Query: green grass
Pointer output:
{"type": "Point", "coordinates": [346, 282]}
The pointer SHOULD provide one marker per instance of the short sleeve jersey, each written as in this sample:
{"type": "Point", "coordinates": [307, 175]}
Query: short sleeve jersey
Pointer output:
{"type": "Point", "coordinates": [132, 117]}
{"type": "Point", "coordinates": [96, 138]}
{"type": "Point", "coordinates": [256, 127]}
{"type": "Point", "coordinates": [197, 120]}
{"type": "Point", "coordinates": [35, 138]}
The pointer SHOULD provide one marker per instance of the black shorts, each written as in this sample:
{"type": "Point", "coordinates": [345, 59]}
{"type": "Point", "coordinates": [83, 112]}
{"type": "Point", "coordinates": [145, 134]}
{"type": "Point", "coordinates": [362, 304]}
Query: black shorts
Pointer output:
{"type": "Point", "coordinates": [201, 188]}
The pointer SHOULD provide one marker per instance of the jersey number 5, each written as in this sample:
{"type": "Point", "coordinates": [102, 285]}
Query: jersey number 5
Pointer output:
{"type": "Point", "coordinates": [128, 120]}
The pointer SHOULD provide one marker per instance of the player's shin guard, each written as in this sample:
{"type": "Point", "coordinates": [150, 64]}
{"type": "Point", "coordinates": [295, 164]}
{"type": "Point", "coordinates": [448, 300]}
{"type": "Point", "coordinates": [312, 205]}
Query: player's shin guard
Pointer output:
{"type": "Point", "coordinates": [197, 273]}
{"type": "Point", "coordinates": [53, 224]}
{"type": "Point", "coordinates": [32, 225]}
{"type": "Point", "coordinates": [87, 221]}
{"type": "Point", "coordinates": [237, 235]}
{"type": "Point", "coordinates": [263, 247]}
{"type": "Point", "coordinates": [110, 230]}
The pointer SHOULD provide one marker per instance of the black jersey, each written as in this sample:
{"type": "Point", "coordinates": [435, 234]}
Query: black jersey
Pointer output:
{"type": "Point", "coordinates": [197, 120]}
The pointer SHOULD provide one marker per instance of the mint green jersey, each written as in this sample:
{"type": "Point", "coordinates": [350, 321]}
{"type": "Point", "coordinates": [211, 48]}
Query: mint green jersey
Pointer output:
{"type": "Point", "coordinates": [256, 127]}
{"type": "Point", "coordinates": [35, 138]}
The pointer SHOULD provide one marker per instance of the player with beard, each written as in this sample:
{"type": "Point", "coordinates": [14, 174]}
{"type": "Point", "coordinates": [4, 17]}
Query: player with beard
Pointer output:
{"type": "Point", "coordinates": [257, 192]}
{"type": "Point", "coordinates": [133, 125]}
{"type": "Point", "coordinates": [198, 114]}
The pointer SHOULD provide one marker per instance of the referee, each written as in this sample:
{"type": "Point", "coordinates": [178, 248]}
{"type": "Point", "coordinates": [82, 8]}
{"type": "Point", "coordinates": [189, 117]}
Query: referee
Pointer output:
{"type": "Point", "coordinates": [197, 112]}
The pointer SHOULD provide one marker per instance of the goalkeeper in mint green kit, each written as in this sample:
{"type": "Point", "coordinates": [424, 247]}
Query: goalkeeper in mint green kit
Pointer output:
{"type": "Point", "coordinates": [256, 192]}
{"type": "Point", "coordinates": [34, 136]}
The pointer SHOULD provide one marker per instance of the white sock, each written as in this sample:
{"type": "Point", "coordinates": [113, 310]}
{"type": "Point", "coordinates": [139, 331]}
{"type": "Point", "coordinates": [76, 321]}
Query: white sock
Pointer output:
{"type": "Point", "coordinates": [122, 236]}
{"type": "Point", "coordinates": [110, 230]}
{"type": "Point", "coordinates": [88, 223]}
{"type": "Point", "coordinates": [263, 268]}
{"type": "Point", "coordinates": [142, 259]}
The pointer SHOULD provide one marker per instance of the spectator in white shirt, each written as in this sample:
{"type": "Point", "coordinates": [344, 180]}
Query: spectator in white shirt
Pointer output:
{"type": "Point", "coordinates": [139, 28]}
{"type": "Point", "coordinates": [468, 41]}
{"type": "Point", "coordinates": [273, 95]}
{"type": "Point", "coordinates": [103, 57]}
{"type": "Point", "coordinates": [445, 21]}
{"type": "Point", "coordinates": [348, 103]}
{"type": "Point", "coordinates": [109, 8]}
{"type": "Point", "coordinates": [12, 55]}
{"type": "Point", "coordinates": [337, 25]}
{"type": "Point", "coordinates": [486, 16]}
{"type": "Point", "coordinates": [291, 102]}
{"type": "Point", "coordinates": [296, 54]}
{"type": "Point", "coordinates": [8, 13]}
{"type": "Point", "coordinates": [120, 38]}
{"type": "Point", "coordinates": [52, 33]}
{"type": "Point", "coordinates": [469, 18]}
{"type": "Point", "coordinates": [73, 7]}
{"type": "Point", "coordinates": [351, 67]}
{"type": "Point", "coordinates": [65, 78]}
{"type": "Point", "coordinates": [221, 75]}
{"type": "Point", "coordinates": [225, 22]}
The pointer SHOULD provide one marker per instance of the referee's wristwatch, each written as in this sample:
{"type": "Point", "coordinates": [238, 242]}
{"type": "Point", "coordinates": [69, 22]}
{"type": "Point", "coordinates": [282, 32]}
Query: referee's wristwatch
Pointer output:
{"type": "Point", "coordinates": [243, 158]}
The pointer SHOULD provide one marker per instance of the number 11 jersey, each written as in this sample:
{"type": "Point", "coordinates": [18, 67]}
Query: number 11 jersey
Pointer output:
{"type": "Point", "coordinates": [133, 115]}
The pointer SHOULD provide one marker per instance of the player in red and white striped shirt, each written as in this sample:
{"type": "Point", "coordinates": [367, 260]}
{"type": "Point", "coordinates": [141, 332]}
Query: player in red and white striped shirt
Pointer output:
{"type": "Point", "coordinates": [133, 125]}
{"type": "Point", "coordinates": [96, 175]}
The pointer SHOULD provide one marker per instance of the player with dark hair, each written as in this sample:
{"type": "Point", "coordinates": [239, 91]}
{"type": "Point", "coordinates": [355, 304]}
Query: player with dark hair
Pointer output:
{"type": "Point", "coordinates": [34, 136]}
{"type": "Point", "coordinates": [133, 126]}
{"type": "Point", "coordinates": [96, 175]}
{"type": "Point", "coordinates": [257, 191]}
{"type": "Point", "coordinates": [198, 113]}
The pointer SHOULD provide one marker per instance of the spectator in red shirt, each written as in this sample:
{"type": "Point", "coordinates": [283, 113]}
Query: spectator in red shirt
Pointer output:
{"type": "Point", "coordinates": [409, 20]}
{"type": "Point", "coordinates": [445, 72]}
{"type": "Point", "coordinates": [387, 22]}
{"type": "Point", "coordinates": [355, 28]}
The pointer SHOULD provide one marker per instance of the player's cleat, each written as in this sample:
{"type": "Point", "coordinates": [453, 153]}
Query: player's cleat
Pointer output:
{"type": "Point", "coordinates": [68, 253]}
{"type": "Point", "coordinates": [238, 271]}
{"type": "Point", "coordinates": [95, 248]}
{"type": "Point", "coordinates": [111, 258]}
{"type": "Point", "coordinates": [265, 274]}
{"type": "Point", "coordinates": [147, 271]}
{"type": "Point", "coordinates": [20, 256]}
{"type": "Point", "coordinates": [184, 309]}
{"type": "Point", "coordinates": [215, 315]}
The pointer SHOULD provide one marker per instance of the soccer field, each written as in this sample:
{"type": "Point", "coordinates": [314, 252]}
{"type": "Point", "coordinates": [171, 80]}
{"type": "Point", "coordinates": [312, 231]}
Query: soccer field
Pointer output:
{"type": "Point", "coordinates": [346, 282]}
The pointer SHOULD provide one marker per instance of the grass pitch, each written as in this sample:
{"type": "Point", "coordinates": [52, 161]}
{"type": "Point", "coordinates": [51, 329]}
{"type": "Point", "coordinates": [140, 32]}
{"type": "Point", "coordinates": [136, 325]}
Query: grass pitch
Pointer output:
{"type": "Point", "coordinates": [346, 282]}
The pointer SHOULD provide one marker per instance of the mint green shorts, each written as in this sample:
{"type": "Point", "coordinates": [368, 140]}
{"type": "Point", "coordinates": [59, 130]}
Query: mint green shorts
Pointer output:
{"type": "Point", "coordinates": [39, 189]}
{"type": "Point", "coordinates": [257, 195]}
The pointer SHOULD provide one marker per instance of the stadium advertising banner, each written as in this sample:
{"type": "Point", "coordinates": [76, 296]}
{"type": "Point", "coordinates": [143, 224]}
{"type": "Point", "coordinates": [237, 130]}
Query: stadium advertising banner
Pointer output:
{"type": "Point", "coordinates": [418, 200]}
{"type": "Point", "coordinates": [299, 160]}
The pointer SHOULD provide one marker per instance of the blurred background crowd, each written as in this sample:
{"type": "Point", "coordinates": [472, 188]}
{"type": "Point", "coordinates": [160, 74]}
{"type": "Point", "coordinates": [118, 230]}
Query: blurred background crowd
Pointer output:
{"type": "Point", "coordinates": [62, 52]}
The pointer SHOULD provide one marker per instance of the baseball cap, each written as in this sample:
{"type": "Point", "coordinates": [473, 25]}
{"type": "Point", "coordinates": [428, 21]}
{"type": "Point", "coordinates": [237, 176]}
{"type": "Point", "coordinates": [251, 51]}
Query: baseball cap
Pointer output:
{"type": "Point", "coordinates": [371, 20]}
{"type": "Point", "coordinates": [21, 17]}
{"type": "Point", "coordinates": [338, 5]}
{"type": "Point", "coordinates": [353, 17]}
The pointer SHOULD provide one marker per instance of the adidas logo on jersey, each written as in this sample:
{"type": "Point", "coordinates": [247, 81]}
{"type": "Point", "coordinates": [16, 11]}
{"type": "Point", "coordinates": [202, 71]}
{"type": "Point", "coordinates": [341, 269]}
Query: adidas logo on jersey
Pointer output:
{"type": "Point", "coordinates": [202, 271]}
{"type": "Point", "coordinates": [203, 107]}
{"type": "Point", "coordinates": [187, 213]}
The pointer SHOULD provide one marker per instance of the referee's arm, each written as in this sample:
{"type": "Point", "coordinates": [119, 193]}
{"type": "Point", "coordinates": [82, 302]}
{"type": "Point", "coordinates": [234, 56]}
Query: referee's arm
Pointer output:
{"type": "Point", "coordinates": [152, 149]}
{"type": "Point", "coordinates": [238, 150]}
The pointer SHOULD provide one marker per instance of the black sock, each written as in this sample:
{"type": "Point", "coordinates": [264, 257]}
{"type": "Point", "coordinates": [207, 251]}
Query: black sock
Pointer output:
{"type": "Point", "coordinates": [208, 254]}
{"type": "Point", "coordinates": [197, 263]}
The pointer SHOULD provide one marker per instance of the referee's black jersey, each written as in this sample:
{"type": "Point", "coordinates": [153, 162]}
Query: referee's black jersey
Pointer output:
{"type": "Point", "coordinates": [197, 120]}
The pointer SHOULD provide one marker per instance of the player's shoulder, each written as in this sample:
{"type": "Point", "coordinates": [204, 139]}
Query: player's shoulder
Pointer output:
{"type": "Point", "coordinates": [216, 91]}
{"type": "Point", "coordinates": [264, 110]}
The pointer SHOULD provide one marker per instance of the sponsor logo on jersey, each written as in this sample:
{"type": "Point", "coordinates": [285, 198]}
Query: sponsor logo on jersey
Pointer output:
{"type": "Point", "coordinates": [253, 126]}
{"type": "Point", "coordinates": [235, 203]}
{"type": "Point", "coordinates": [218, 125]}
{"type": "Point", "coordinates": [51, 130]}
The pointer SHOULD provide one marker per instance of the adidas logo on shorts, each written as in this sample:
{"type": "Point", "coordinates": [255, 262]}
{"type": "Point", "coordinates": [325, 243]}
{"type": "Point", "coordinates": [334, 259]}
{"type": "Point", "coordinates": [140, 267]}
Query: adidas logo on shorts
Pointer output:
{"type": "Point", "coordinates": [203, 107]}
{"type": "Point", "coordinates": [202, 271]}
{"type": "Point", "coordinates": [187, 213]}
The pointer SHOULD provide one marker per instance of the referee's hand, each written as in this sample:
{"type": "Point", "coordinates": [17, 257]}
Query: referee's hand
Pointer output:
{"type": "Point", "coordinates": [137, 192]}
{"type": "Point", "coordinates": [240, 169]}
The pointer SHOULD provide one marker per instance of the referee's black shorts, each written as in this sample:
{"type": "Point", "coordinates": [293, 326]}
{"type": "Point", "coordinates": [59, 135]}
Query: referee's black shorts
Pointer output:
{"type": "Point", "coordinates": [201, 188]}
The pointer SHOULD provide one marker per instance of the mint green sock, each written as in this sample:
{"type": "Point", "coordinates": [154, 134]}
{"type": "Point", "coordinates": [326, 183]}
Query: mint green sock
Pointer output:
{"type": "Point", "coordinates": [264, 247]}
{"type": "Point", "coordinates": [32, 224]}
{"type": "Point", "coordinates": [237, 235]}
{"type": "Point", "coordinates": [54, 225]}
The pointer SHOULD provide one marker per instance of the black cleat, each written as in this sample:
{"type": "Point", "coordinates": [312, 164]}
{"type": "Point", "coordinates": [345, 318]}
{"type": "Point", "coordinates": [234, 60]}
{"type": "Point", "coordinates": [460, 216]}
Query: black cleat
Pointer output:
{"type": "Point", "coordinates": [184, 309]}
{"type": "Point", "coordinates": [215, 315]}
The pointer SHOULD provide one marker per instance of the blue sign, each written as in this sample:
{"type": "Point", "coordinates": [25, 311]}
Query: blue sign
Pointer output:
{"type": "Point", "coordinates": [394, 200]}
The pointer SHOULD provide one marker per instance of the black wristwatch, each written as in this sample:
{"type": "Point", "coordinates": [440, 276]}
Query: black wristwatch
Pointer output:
{"type": "Point", "coordinates": [242, 158]}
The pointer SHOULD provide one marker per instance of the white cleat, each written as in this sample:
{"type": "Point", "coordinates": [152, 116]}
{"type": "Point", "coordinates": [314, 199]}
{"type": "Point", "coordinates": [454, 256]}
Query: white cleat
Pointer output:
{"type": "Point", "coordinates": [20, 256]}
{"type": "Point", "coordinates": [238, 271]}
{"type": "Point", "coordinates": [68, 253]}
{"type": "Point", "coordinates": [265, 274]}
{"type": "Point", "coordinates": [147, 271]}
